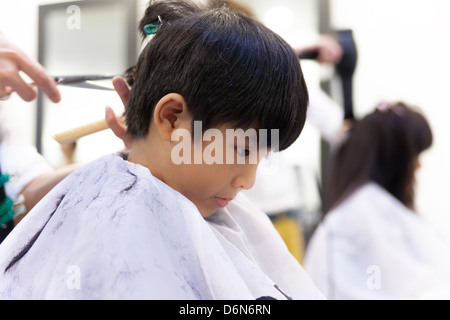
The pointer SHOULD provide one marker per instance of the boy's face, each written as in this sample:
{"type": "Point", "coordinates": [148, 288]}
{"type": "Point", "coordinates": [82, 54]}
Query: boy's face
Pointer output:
{"type": "Point", "coordinates": [220, 165]}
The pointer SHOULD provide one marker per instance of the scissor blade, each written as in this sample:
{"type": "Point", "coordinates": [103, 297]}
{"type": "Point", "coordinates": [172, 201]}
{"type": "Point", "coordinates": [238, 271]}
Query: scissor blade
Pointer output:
{"type": "Point", "coordinates": [88, 85]}
{"type": "Point", "coordinates": [78, 79]}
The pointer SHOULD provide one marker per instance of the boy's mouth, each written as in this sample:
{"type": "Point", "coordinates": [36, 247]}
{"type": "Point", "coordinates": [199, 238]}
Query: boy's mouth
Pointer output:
{"type": "Point", "coordinates": [222, 202]}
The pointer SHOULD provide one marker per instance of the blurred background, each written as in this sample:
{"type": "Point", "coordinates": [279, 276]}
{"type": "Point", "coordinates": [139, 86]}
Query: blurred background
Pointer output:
{"type": "Point", "coordinates": [403, 54]}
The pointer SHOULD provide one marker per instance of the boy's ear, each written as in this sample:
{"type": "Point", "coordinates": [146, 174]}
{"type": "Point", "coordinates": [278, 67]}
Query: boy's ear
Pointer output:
{"type": "Point", "coordinates": [171, 113]}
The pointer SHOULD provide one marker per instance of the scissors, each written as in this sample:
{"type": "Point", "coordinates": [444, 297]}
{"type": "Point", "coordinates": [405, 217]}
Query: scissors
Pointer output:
{"type": "Point", "coordinates": [84, 81]}
{"type": "Point", "coordinates": [80, 81]}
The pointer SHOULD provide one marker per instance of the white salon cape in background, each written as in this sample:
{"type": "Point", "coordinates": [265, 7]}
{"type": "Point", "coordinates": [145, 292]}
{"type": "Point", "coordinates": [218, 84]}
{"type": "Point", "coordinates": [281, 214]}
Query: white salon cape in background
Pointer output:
{"type": "Point", "coordinates": [113, 231]}
{"type": "Point", "coordinates": [373, 247]}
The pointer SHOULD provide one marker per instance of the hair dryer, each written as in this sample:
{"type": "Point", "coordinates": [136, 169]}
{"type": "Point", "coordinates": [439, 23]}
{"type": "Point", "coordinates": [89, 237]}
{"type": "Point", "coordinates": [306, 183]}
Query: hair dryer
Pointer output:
{"type": "Point", "coordinates": [345, 68]}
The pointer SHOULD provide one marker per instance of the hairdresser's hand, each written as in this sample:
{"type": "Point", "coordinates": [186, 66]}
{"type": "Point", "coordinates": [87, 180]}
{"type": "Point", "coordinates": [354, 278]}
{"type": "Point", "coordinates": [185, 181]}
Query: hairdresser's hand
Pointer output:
{"type": "Point", "coordinates": [111, 119]}
{"type": "Point", "coordinates": [329, 50]}
{"type": "Point", "coordinates": [12, 61]}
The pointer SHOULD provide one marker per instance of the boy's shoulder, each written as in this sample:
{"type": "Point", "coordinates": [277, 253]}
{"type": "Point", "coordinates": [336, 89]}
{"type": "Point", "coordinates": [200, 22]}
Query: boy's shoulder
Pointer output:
{"type": "Point", "coordinates": [116, 180]}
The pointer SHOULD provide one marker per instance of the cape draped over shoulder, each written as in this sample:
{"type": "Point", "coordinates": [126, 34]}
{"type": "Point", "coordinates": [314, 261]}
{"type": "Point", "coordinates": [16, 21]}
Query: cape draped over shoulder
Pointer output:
{"type": "Point", "coordinates": [113, 231]}
{"type": "Point", "coordinates": [373, 247]}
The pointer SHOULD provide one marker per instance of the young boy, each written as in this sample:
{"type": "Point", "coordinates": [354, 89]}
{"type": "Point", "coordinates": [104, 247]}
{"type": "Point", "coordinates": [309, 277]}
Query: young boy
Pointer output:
{"type": "Point", "coordinates": [166, 221]}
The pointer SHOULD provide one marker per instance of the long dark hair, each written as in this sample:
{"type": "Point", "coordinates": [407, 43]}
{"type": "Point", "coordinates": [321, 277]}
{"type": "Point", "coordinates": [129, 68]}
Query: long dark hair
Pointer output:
{"type": "Point", "coordinates": [382, 147]}
{"type": "Point", "coordinates": [228, 67]}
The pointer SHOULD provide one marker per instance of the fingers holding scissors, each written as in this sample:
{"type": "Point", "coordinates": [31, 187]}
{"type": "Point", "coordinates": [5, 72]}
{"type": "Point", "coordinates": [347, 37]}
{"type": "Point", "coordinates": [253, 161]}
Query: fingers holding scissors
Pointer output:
{"type": "Point", "coordinates": [12, 62]}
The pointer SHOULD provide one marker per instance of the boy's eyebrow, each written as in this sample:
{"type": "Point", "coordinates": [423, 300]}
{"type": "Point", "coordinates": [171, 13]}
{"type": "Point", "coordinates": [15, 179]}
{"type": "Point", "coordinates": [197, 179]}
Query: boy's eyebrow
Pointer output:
{"type": "Point", "coordinates": [240, 134]}
{"type": "Point", "coordinates": [249, 139]}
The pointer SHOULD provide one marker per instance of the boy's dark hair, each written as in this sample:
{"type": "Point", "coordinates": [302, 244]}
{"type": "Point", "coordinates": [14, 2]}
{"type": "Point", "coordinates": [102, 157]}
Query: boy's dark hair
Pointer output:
{"type": "Point", "coordinates": [383, 147]}
{"type": "Point", "coordinates": [228, 67]}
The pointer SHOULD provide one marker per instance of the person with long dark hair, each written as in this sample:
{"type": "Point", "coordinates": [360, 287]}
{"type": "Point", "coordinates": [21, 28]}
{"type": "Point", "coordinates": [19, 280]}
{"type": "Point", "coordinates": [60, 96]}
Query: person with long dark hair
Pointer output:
{"type": "Point", "coordinates": [372, 242]}
{"type": "Point", "coordinates": [384, 147]}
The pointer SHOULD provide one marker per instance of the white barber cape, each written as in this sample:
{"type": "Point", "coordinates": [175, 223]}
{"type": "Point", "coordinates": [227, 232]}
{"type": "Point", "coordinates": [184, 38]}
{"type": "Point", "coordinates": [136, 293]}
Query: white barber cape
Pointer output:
{"type": "Point", "coordinates": [113, 231]}
{"type": "Point", "coordinates": [373, 247]}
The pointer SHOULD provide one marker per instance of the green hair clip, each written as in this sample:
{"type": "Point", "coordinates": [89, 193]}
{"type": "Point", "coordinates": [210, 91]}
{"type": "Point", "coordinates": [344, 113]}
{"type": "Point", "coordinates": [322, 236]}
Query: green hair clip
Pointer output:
{"type": "Point", "coordinates": [153, 27]}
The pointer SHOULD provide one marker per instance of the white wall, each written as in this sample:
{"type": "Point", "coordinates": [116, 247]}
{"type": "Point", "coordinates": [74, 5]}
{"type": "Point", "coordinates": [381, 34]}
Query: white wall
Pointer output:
{"type": "Point", "coordinates": [404, 51]}
{"type": "Point", "coordinates": [18, 20]}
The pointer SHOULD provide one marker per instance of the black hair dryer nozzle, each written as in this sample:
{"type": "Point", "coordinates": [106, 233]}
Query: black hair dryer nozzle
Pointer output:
{"type": "Point", "coordinates": [345, 68]}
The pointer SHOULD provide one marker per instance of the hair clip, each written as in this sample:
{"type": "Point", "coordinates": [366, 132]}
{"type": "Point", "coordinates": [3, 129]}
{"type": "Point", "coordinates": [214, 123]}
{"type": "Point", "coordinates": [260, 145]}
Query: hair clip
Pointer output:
{"type": "Point", "coordinates": [383, 106]}
{"type": "Point", "coordinates": [153, 27]}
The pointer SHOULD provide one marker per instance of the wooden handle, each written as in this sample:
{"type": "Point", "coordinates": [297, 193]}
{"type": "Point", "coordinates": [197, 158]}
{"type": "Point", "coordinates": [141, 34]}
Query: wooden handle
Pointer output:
{"type": "Point", "coordinates": [82, 131]}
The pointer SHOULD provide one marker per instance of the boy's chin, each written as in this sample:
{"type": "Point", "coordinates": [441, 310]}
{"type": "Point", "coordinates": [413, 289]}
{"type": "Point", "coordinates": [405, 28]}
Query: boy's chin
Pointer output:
{"type": "Point", "coordinates": [207, 211]}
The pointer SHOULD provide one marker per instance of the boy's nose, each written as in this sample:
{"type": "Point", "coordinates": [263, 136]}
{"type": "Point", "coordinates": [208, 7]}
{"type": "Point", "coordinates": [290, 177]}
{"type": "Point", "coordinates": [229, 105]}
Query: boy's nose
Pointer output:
{"type": "Point", "coordinates": [245, 178]}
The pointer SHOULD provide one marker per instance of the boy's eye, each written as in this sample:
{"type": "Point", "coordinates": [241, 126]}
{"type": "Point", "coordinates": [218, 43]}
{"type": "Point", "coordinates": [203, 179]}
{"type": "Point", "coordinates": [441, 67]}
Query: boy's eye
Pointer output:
{"type": "Point", "coordinates": [242, 151]}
